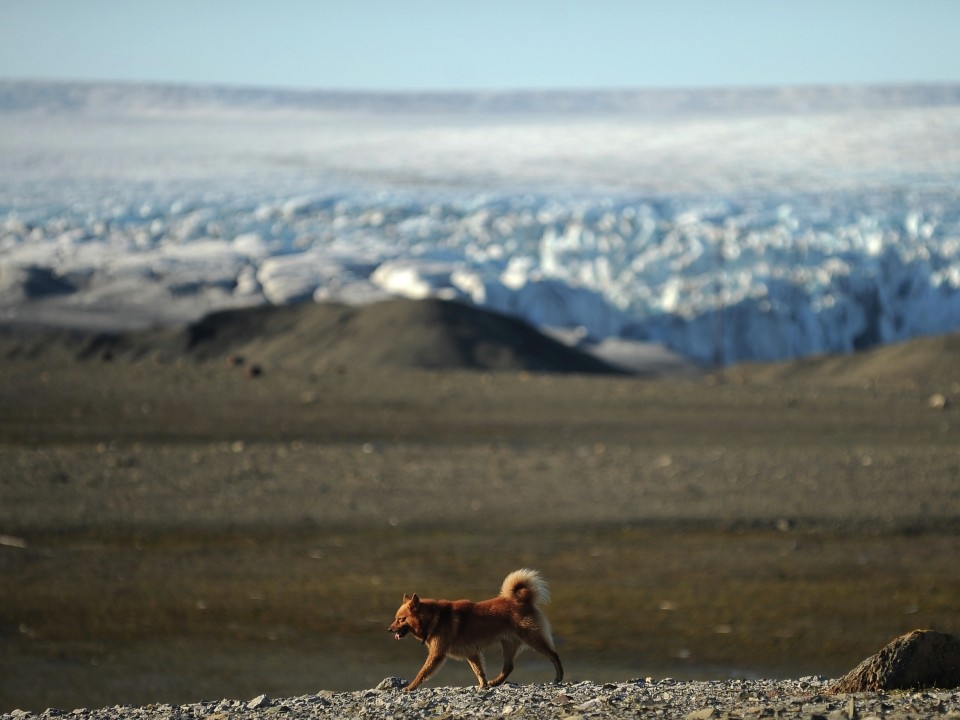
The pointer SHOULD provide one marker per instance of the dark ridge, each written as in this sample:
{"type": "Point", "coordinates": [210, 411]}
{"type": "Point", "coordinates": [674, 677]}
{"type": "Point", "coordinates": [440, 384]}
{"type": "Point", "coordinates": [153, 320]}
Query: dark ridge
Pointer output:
{"type": "Point", "coordinates": [442, 335]}
{"type": "Point", "coordinates": [423, 334]}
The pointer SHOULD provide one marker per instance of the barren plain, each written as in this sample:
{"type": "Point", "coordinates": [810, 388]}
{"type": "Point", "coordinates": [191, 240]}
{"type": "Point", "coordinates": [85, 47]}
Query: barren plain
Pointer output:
{"type": "Point", "coordinates": [177, 526]}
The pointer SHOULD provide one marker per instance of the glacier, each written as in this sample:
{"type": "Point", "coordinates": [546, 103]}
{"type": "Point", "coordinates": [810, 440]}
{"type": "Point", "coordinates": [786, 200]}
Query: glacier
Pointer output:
{"type": "Point", "coordinates": [726, 227]}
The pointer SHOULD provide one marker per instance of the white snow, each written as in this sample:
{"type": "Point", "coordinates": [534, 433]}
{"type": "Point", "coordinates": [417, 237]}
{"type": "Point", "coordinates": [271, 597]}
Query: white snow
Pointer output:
{"type": "Point", "coordinates": [826, 229]}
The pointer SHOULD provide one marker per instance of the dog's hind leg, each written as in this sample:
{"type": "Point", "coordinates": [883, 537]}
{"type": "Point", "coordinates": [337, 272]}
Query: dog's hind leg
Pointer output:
{"type": "Point", "coordinates": [476, 664]}
{"type": "Point", "coordinates": [544, 645]}
{"type": "Point", "coordinates": [511, 647]}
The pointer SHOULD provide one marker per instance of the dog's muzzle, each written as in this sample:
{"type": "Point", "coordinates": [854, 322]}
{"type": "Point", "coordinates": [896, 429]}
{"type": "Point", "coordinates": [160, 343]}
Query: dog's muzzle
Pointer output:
{"type": "Point", "coordinates": [399, 633]}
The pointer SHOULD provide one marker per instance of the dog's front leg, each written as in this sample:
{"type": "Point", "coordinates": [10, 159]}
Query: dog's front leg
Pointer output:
{"type": "Point", "coordinates": [476, 664]}
{"type": "Point", "coordinates": [434, 660]}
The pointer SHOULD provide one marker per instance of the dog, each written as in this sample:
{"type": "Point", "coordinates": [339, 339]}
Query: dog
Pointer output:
{"type": "Point", "coordinates": [461, 629]}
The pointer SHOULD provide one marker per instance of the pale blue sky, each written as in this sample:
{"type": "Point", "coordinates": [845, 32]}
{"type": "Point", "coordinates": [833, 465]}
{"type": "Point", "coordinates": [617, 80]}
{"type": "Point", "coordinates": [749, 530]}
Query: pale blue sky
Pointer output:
{"type": "Point", "coordinates": [482, 44]}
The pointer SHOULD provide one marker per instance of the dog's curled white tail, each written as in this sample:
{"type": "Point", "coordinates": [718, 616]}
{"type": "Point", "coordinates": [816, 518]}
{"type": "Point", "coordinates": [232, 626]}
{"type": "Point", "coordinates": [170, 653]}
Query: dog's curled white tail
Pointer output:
{"type": "Point", "coordinates": [526, 586]}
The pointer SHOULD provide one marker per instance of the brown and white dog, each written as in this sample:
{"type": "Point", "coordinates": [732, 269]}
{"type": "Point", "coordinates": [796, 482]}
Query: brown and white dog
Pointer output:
{"type": "Point", "coordinates": [461, 629]}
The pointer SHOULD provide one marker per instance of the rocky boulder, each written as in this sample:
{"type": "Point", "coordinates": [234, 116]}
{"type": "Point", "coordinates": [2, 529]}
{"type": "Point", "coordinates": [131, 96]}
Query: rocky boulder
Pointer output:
{"type": "Point", "coordinates": [919, 659]}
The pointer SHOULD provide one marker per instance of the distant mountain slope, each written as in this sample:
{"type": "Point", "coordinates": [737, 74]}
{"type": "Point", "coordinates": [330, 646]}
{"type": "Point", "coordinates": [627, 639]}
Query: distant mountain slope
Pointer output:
{"type": "Point", "coordinates": [442, 335]}
{"type": "Point", "coordinates": [426, 334]}
{"type": "Point", "coordinates": [923, 362]}
{"type": "Point", "coordinates": [430, 334]}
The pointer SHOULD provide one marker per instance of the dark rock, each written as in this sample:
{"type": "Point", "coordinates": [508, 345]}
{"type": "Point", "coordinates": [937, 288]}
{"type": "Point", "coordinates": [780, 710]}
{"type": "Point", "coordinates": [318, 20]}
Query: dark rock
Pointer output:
{"type": "Point", "coordinates": [32, 282]}
{"type": "Point", "coordinates": [919, 659]}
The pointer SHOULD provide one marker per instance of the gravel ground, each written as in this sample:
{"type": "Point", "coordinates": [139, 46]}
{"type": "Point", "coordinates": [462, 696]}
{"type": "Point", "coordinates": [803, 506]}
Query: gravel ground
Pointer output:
{"type": "Point", "coordinates": [752, 525]}
{"type": "Point", "coordinates": [641, 698]}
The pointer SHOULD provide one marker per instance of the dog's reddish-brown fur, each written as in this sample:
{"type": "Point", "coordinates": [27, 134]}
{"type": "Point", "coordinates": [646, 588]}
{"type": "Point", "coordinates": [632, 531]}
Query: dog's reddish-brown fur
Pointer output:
{"type": "Point", "coordinates": [461, 629]}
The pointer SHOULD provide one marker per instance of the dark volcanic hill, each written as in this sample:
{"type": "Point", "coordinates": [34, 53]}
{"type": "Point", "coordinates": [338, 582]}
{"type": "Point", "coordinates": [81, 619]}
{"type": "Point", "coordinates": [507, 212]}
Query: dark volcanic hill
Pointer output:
{"type": "Point", "coordinates": [425, 334]}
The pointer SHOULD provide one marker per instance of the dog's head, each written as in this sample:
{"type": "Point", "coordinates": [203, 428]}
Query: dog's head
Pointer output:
{"type": "Point", "coordinates": [407, 619]}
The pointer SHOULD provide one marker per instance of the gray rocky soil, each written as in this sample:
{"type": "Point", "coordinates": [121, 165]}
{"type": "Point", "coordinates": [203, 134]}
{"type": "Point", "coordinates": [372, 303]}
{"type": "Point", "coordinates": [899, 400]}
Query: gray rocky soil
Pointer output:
{"type": "Point", "coordinates": [174, 527]}
{"type": "Point", "coordinates": [641, 698]}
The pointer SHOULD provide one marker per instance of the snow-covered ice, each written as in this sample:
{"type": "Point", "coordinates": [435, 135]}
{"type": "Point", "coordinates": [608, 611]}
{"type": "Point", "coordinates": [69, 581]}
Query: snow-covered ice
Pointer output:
{"type": "Point", "coordinates": [768, 229]}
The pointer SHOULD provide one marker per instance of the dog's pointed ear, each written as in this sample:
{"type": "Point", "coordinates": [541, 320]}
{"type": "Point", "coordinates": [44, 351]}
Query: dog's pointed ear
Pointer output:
{"type": "Point", "coordinates": [406, 598]}
{"type": "Point", "coordinates": [415, 601]}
